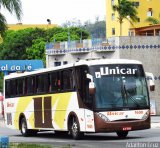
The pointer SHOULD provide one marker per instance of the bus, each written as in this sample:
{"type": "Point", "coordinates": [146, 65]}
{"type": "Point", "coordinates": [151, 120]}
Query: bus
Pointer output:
{"type": "Point", "coordinates": [105, 95]}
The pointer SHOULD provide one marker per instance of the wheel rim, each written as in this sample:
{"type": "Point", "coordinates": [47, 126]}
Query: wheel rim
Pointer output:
{"type": "Point", "coordinates": [23, 127]}
{"type": "Point", "coordinates": [74, 128]}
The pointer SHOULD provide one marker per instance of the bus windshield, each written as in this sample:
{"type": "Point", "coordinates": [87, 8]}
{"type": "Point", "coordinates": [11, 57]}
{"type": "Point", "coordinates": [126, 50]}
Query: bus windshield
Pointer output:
{"type": "Point", "coordinates": [120, 86]}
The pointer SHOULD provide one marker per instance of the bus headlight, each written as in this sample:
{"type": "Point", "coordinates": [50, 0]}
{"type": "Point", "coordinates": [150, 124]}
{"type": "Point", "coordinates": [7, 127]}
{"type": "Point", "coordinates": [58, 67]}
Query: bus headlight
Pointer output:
{"type": "Point", "coordinates": [103, 117]}
{"type": "Point", "coordinates": [145, 116]}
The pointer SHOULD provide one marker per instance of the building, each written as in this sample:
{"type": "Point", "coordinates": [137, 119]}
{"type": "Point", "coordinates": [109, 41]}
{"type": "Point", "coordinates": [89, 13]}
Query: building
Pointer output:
{"type": "Point", "coordinates": [20, 26]}
{"type": "Point", "coordinates": [152, 30]}
{"type": "Point", "coordinates": [145, 9]}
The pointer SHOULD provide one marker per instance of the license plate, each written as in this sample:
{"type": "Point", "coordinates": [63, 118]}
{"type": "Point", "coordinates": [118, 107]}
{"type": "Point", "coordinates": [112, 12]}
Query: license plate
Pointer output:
{"type": "Point", "coordinates": [127, 128]}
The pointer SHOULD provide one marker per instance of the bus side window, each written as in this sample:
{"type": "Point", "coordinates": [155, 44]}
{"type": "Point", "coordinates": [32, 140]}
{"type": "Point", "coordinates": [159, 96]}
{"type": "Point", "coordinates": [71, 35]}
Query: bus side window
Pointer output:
{"type": "Point", "coordinates": [83, 84]}
{"type": "Point", "coordinates": [30, 84]}
{"type": "Point", "coordinates": [42, 83]}
{"type": "Point", "coordinates": [54, 81]}
{"type": "Point", "coordinates": [7, 89]}
{"type": "Point", "coordinates": [13, 88]}
{"type": "Point", "coordinates": [25, 86]}
{"type": "Point", "coordinates": [20, 82]}
{"type": "Point", "coordinates": [67, 80]}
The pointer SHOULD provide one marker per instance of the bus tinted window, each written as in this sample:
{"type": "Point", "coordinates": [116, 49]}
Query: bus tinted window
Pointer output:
{"type": "Point", "coordinates": [7, 89]}
{"type": "Point", "coordinates": [20, 86]}
{"type": "Point", "coordinates": [13, 87]}
{"type": "Point", "coordinates": [42, 83]}
{"type": "Point", "coordinates": [30, 84]}
{"type": "Point", "coordinates": [67, 80]}
{"type": "Point", "coordinates": [54, 81]}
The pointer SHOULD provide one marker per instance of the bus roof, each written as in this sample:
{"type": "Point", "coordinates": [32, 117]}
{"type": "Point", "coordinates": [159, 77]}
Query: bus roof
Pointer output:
{"type": "Point", "coordinates": [81, 62]}
{"type": "Point", "coordinates": [106, 61]}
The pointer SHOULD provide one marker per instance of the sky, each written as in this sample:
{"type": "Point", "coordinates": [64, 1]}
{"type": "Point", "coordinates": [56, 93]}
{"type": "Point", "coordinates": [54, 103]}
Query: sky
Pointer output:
{"type": "Point", "coordinates": [58, 11]}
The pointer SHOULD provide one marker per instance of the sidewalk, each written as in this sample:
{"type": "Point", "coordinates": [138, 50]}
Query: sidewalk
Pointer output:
{"type": "Point", "coordinates": [155, 121]}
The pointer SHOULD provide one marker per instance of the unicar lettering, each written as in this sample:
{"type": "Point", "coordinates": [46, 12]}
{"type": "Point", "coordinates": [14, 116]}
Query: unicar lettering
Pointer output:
{"type": "Point", "coordinates": [117, 70]}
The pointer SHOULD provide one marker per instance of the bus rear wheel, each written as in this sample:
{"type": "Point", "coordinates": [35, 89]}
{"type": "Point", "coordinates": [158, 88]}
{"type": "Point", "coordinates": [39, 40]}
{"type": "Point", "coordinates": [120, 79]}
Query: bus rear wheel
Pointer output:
{"type": "Point", "coordinates": [75, 129]}
{"type": "Point", "coordinates": [122, 134]}
{"type": "Point", "coordinates": [24, 129]}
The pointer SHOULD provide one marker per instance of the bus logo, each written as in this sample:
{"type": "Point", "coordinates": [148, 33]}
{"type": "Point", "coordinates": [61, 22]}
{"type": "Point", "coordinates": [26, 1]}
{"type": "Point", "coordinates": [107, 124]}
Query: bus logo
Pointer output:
{"type": "Point", "coordinates": [114, 71]}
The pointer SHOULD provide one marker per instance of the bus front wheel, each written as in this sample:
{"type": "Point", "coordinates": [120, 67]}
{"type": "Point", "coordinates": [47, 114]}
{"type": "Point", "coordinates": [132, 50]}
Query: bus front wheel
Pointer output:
{"type": "Point", "coordinates": [75, 129]}
{"type": "Point", "coordinates": [122, 134]}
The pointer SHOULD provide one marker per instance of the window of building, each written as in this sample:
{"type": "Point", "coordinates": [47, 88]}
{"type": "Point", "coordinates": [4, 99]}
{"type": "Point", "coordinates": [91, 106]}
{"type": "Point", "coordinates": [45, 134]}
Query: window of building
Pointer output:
{"type": "Point", "coordinates": [112, 2]}
{"type": "Point", "coordinates": [149, 12]}
{"type": "Point", "coordinates": [57, 63]}
{"type": "Point", "coordinates": [139, 20]}
{"type": "Point", "coordinates": [113, 31]}
{"type": "Point", "coordinates": [136, 4]}
{"type": "Point", "coordinates": [65, 62]}
{"type": "Point", "coordinates": [113, 16]}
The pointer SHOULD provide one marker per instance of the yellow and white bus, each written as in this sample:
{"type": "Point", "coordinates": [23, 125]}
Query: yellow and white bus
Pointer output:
{"type": "Point", "coordinates": [84, 97]}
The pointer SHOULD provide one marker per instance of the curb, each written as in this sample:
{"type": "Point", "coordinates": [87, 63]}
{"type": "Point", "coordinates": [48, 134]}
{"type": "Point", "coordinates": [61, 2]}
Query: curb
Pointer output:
{"type": "Point", "coordinates": [155, 125]}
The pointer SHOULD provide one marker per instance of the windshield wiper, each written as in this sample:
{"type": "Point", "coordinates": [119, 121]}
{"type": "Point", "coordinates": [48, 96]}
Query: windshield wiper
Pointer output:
{"type": "Point", "coordinates": [130, 97]}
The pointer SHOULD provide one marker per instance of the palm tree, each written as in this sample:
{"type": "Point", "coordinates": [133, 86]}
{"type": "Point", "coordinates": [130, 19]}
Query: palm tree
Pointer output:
{"type": "Point", "coordinates": [126, 10]}
{"type": "Point", "coordinates": [13, 6]}
{"type": "Point", "coordinates": [153, 20]}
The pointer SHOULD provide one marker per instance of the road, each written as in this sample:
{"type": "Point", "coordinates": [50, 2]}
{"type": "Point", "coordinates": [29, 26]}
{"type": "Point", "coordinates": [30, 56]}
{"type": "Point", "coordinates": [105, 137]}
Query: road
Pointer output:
{"type": "Point", "coordinates": [143, 138]}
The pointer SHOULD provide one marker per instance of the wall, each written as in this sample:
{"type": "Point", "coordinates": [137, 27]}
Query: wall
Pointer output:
{"type": "Point", "coordinates": [146, 50]}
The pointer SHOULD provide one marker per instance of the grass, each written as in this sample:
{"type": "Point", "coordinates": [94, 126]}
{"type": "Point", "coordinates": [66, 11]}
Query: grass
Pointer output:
{"type": "Point", "coordinates": [29, 145]}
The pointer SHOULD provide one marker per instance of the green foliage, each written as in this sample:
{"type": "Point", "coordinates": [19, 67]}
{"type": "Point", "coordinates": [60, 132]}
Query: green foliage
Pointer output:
{"type": "Point", "coordinates": [125, 10]}
{"type": "Point", "coordinates": [28, 145]}
{"type": "Point", "coordinates": [15, 43]}
{"type": "Point", "coordinates": [73, 32]}
{"type": "Point", "coordinates": [37, 50]}
{"type": "Point", "coordinates": [30, 43]}
{"type": "Point", "coordinates": [12, 6]}
{"type": "Point", "coordinates": [153, 20]}
{"type": "Point", "coordinates": [97, 29]}
{"type": "Point", "coordinates": [3, 25]}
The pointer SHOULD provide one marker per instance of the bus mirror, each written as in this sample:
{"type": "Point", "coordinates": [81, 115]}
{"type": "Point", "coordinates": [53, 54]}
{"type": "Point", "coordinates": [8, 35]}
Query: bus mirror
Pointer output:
{"type": "Point", "coordinates": [150, 77]}
{"type": "Point", "coordinates": [89, 77]}
{"type": "Point", "coordinates": [92, 88]}
{"type": "Point", "coordinates": [91, 84]}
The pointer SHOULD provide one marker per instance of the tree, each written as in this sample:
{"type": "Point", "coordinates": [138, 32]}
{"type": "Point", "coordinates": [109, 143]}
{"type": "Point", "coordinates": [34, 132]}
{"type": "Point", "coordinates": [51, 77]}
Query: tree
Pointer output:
{"type": "Point", "coordinates": [153, 20]}
{"type": "Point", "coordinates": [13, 6]}
{"type": "Point", "coordinates": [37, 50]}
{"type": "Point", "coordinates": [30, 43]}
{"type": "Point", "coordinates": [96, 29]}
{"type": "Point", "coordinates": [126, 10]}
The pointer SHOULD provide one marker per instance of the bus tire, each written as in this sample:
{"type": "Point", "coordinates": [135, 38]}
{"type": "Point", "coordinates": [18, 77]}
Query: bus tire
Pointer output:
{"type": "Point", "coordinates": [75, 129]}
{"type": "Point", "coordinates": [23, 128]}
{"type": "Point", "coordinates": [122, 134]}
